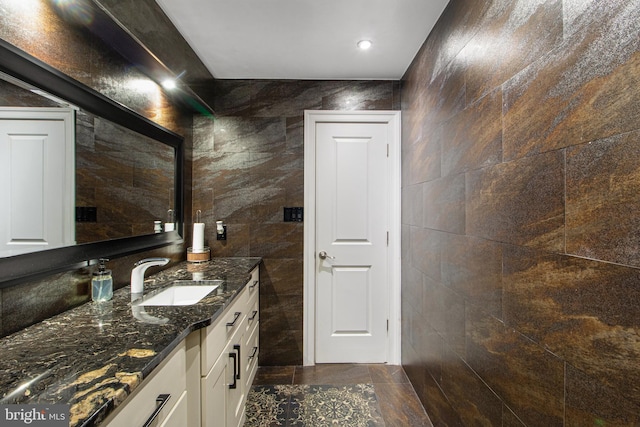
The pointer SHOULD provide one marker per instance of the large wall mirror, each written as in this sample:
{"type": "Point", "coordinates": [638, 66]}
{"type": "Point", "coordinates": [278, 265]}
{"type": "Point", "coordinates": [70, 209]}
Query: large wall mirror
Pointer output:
{"type": "Point", "coordinates": [127, 173]}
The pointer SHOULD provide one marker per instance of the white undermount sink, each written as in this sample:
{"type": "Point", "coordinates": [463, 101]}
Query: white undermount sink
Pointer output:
{"type": "Point", "coordinates": [182, 292]}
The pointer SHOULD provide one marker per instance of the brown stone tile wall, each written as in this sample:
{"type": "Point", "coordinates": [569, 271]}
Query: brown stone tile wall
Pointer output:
{"type": "Point", "coordinates": [521, 273]}
{"type": "Point", "coordinates": [248, 165]}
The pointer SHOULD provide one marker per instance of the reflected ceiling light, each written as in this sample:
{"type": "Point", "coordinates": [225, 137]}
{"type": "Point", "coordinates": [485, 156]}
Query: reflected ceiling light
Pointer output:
{"type": "Point", "coordinates": [364, 44]}
{"type": "Point", "coordinates": [75, 11]}
{"type": "Point", "coordinates": [143, 85]}
{"type": "Point", "coordinates": [25, 6]}
{"type": "Point", "coordinates": [169, 84]}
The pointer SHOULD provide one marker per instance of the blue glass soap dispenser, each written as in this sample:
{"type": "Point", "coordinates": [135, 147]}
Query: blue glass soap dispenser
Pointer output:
{"type": "Point", "coordinates": [102, 283]}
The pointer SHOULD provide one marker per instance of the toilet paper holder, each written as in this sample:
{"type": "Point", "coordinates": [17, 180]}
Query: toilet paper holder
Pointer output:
{"type": "Point", "coordinates": [221, 231]}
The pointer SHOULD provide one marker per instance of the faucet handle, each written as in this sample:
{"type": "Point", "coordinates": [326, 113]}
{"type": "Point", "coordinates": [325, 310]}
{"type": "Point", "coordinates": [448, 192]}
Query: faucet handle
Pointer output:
{"type": "Point", "coordinates": [157, 261]}
{"type": "Point", "coordinates": [137, 273]}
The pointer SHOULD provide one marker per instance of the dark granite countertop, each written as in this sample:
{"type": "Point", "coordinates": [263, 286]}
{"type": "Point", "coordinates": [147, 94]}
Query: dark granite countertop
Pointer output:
{"type": "Point", "coordinates": [92, 357]}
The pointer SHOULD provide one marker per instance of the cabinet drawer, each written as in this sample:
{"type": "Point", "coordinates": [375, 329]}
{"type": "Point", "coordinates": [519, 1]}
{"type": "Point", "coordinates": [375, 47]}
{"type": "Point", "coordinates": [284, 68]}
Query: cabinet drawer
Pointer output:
{"type": "Point", "coordinates": [252, 350]}
{"type": "Point", "coordinates": [214, 337]}
{"type": "Point", "coordinates": [254, 282]}
{"type": "Point", "coordinates": [168, 378]}
{"type": "Point", "coordinates": [236, 396]}
{"type": "Point", "coordinates": [223, 393]}
{"type": "Point", "coordinates": [253, 313]}
{"type": "Point", "coordinates": [179, 414]}
{"type": "Point", "coordinates": [213, 393]}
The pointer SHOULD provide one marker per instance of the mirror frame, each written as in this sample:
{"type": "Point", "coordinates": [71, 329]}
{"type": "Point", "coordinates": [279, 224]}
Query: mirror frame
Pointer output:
{"type": "Point", "coordinates": [32, 266]}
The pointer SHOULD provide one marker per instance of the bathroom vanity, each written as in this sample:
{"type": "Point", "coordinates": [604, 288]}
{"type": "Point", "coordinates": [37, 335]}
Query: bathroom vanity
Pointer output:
{"type": "Point", "coordinates": [118, 363]}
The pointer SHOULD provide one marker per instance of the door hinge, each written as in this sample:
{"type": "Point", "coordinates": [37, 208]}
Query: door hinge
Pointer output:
{"type": "Point", "coordinates": [387, 325]}
{"type": "Point", "coordinates": [387, 150]}
{"type": "Point", "coordinates": [387, 238]}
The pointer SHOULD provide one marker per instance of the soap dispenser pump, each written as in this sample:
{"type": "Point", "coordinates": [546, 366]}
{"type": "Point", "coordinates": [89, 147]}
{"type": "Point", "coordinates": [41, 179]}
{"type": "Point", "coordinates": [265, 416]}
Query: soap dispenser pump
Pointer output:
{"type": "Point", "coordinates": [102, 283]}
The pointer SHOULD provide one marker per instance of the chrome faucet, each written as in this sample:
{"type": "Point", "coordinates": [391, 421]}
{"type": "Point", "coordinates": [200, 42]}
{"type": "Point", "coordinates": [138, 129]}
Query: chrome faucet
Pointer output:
{"type": "Point", "coordinates": [137, 274]}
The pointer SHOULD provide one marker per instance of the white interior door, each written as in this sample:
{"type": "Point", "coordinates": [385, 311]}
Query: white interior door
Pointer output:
{"type": "Point", "coordinates": [352, 224]}
{"type": "Point", "coordinates": [36, 179]}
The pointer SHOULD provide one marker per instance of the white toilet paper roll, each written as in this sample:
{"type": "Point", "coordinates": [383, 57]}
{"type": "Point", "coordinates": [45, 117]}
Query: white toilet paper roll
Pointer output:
{"type": "Point", "coordinates": [198, 237]}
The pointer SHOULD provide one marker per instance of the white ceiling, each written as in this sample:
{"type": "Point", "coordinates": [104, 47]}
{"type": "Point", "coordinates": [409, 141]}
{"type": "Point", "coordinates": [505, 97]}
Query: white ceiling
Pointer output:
{"type": "Point", "coordinates": [304, 39]}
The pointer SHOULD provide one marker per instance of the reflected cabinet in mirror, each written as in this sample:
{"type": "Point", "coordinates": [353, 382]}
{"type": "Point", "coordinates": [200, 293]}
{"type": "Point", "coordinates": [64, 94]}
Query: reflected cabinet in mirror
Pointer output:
{"type": "Point", "coordinates": [101, 196]}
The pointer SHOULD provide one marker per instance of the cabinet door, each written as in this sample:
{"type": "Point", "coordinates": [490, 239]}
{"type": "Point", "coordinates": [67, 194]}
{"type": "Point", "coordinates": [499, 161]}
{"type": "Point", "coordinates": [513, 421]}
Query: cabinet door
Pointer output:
{"type": "Point", "coordinates": [230, 342]}
{"type": "Point", "coordinates": [214, 393]}
{"type": "Point", "coordinates": [223, 390]}
{"type": "Point", "coordinates": [235, 381]}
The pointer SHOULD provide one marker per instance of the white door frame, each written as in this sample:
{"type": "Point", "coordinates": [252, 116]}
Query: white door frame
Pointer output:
{"type": "Point", "coordinates": [67, 116]}
{"type": "Point", "coordinates": [311, 117]}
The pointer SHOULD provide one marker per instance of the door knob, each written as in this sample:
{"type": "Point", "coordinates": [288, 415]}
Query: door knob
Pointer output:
{"type": "Point", "coordinates": [323, 255]}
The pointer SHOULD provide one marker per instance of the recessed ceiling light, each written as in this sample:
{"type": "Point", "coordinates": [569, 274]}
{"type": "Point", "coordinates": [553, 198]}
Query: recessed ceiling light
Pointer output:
{"type": "Point", "coordinates": [169, 84]}
{"type": "Point", "coordinates": [364, 44]}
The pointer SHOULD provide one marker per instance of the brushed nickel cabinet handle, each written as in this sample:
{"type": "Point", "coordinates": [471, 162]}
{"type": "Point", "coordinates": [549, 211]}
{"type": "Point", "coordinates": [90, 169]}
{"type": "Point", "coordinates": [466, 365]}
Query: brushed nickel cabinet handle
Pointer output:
{"type": "Point", "coordinates": [236, 316]}
{"type": "Point", "coordinates": [235, 372]}
{"type": "Point", "coordinates": [253, 353]}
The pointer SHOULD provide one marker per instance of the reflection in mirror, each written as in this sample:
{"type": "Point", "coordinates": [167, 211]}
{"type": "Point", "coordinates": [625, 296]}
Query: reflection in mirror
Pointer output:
{"type": "Point", "coordinates": [36, 179]}
{"type": "Point", "coordinates": [124, 181]}
{"type": "Point", "coordinates": [18, 64]}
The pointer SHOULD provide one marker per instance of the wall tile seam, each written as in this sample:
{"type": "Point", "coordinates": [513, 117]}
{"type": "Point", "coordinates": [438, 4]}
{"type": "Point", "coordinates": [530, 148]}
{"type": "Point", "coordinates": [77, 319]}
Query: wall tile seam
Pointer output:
{"type": "Point", "coordinates": [533, 249]}
{"type": "Point", "coordinates": [564, 200]}
{"type": "Point", "coordinates": [545, 352]}
{"type": "Point", "coordinates": [455, 56]}
{"type": "Point", "coordinates": [477, 375]}
{"type": "Point", "coordinates": [509, 161]}
{"type": "Point", "coordinates": [506, 328]}
{"type": "Point", "coordinates": [476, 101]}
{"type": "Point", "coordinates": [436, 178]}
{"type": "Point", "coordinates": [544, 252]}
{"type": "Point", "coordinates": [573, 145]}
{"type": "Point", "coordinates": [602, 261]}
{"type": "Point", "coordinates": [609, 390]}
{"type": "Point", "coordinates": [440, 52]}
{"type": "Point", "coordinates": [448, 232]}
{"type": "Point", "coordinates": [276, 294]}
{"type": "Point", "coordinates": [466, 170]}
{"type": "Point", "coordinates": [501, 85]}
{"type": "Point", "coordinates": [541, 249]}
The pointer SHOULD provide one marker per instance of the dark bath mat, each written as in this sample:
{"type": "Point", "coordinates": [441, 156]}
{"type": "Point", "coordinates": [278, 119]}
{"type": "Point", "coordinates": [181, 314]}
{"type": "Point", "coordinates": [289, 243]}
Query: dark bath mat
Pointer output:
{"type": "Point", "coordinates": [313, 406]}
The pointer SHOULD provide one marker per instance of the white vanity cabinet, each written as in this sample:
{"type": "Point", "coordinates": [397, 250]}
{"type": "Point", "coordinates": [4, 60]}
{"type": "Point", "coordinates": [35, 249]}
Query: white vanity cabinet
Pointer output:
{"type": "Point", "coordinates": [207, 377]}
{"type": "Point", "coordinates": [229, 359]}
{"type": "Point", "coordinates": [162, 397]}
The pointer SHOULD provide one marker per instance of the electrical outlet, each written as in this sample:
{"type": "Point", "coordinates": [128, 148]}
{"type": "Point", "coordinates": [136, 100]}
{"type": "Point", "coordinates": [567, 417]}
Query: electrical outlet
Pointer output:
{"type": "Point", "coordinates": [293, 214]}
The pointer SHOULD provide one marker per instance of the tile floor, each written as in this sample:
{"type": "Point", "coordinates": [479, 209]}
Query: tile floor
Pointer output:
{"type": "Point", "coordinates": [389, 399]}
